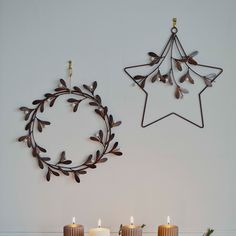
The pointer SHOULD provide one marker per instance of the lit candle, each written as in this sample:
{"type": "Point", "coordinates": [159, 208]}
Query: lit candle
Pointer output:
{"type": "Point", "coordinates": [73, 229]}
{"type": "Point", "coordinates": [131, 220]}
{"type": "Point", "coordinates": [168, 220]}
{"type": "Point", "coordinates": [131, 229]}
{"type": "Point", "coordinates": [99, 231]}
{"type": "Point", "coordinates": [168, 229]}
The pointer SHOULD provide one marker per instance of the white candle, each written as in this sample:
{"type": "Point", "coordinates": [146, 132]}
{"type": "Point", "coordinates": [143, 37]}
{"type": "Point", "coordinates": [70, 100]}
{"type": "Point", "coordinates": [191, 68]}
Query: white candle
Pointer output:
{"type": "Point", "coordinates": [99, 231]}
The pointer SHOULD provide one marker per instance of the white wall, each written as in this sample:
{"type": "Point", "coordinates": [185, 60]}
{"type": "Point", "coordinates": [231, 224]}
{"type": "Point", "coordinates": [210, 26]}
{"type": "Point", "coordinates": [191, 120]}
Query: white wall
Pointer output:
{"type": "Point", "coordinates": [171, 168]}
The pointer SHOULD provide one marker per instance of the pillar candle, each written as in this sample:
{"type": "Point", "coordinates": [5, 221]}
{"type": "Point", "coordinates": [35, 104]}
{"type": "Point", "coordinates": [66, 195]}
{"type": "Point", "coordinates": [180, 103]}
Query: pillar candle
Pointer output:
{"type": "Point", "coordinates": [73, 229]}
{"type": "Point", "coordinates": [168, 229]}
{"type": "Point", "coordinates": [99, 231]}
{"type": "Point", "coordinates": [131, 229]}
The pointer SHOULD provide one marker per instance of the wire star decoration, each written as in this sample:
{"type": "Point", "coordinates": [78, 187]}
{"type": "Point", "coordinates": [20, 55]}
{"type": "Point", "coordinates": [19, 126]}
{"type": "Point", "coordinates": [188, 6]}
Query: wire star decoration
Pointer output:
{"type": "Point", "coordinates": [183, 69]}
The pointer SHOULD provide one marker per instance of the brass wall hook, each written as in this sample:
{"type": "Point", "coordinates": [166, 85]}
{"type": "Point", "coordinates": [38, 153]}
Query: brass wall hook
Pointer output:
{"type": "Point", "coordinates": [174, 22]}
{"type": "Point", "coordinates": [70, 73]}
{"type": "Point", "coordinates": [70, 68]}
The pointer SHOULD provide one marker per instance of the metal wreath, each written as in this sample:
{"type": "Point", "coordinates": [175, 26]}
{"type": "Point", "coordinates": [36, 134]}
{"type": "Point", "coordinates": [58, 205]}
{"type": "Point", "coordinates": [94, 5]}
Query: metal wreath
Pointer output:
{"type": "Point", "coordinates": [103, 137]}
{"type": "Point", "coordinates": [169, 78]}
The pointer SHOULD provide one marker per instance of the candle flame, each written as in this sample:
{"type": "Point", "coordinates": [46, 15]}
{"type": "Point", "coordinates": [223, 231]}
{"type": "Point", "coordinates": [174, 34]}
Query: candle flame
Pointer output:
{"type": "Point", "coordinates": [99, 223]}
{"type": "Point", "coordinates": [131, 220]}
{"type": "Point", "coordinates": [73, 220]}
{"type": "Point", "coordinates": [168, 220]}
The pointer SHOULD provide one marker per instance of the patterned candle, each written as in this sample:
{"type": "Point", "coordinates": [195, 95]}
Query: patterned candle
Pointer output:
{"type": "Point", "coordinates": [131, 229]}
{"type": "Point", "coordinates": [73, 229]}
{"type": "Point", "coordinates": [168, 229]}
{"type": "Point", "coordinates": [99, 231]}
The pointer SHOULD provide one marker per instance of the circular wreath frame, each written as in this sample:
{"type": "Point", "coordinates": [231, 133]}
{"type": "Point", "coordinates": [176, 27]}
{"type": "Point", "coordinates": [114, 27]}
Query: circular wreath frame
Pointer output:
{"type": "Point", "coordinates": [103, 137]}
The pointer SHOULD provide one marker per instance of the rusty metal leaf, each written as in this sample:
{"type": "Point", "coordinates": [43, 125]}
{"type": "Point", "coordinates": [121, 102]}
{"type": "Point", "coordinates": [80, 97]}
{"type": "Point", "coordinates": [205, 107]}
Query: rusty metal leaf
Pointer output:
{"type": "Point", "coordinates": [35, 102]}
{"type": "Point", "coordinates": [115, 124]}
{"type": "Point", "coordinates": [97, 154]}
{"type": "Point", "coordinates": [193, 54]}
{"type": "Point", "coordinates": [142, 85]}
{"type": "Point", "coordinates": [99, 112]}
{"type": "Point", "coordinates": [29, 142]}
{"type": "Point", "coordinates": [40, 163]}
{"type": "Point", "coordinates": [110, 119]}
{"type": "Point", "coordinates": [94, 85]}
{"type": "Point", "coordinates": [87, 87]}
{"type": "Point", "coordinates": [75, 108]}
{"type": "Point", "coordinates": [77, 89]}
{"type": "Point", "coordinates": [139, 77]}
{"type": "Point", "coordinates": [115, 146]}
{"type": "Point", "coordinates": [105, 110]}
{"type": "Point", "coordinates": [62, 81]}
{"type": "Point", "coordinates": [28, 126]}
{"type": "Point", "coordinates": [183, 78]}
{"type": "Point", "coordinates": [152, 54]}
{"type": "Point", "coordinates": [76, 176]}
{"type": "Point", "coordinates": [40, 129]}
{"type": "Point", "coordinates": [98, 98]}
{"type": "Point", "coordinates": [162, 78]}
{"type": "Point", "coordinates": [117, 153]}
{"type": "Point", "coordinates": [60, 89]}
{"type": "Point", "coordinates": [48, 95]}
{"type": "Point", "coordinates": [100, 134]}
{"type": "Point", "coordinates": [27, 115]}
{"type": "Point", "coordinates": [93, 104]}
{"type": "Point", "coordinates": [34, 152]}
{"type": "Point", "coordinates": [154, 61]}
{"type": "Point", "coordinates": [66, 162]}
{"type": "Point", "coordinates": [184, 59]}
{"type": "Point", "coordinates": [208, 82]}
{"type": "Point", "coordinates": [177, 93]}
{"type": "Point", "coordinates": [210, 76]}
{"type": "Point", "coordinates": [104, 159]}
{"type": "Point", "coordinates": [64, 172]}
{"type": "Point", "coordinates": [192, 61]}
{"type": "Point", "coordinates": [184, 90]}
{"type": "Point", "coordinates": [89, 159]}
{"type": "Point", "coordinates": [44, 122]}
{"type": "Point", "coordinates": [111, 137]}
{"type": "Point", "coordinates": [190, 78]}
{"type": "Point", "coordinates": [41, 149]}
{"type": "Point", "coordinates": [55, 173]}
{"type": "Point", "coordinates": [22, 138]}
{"type": "Point", "coordinates": [42, 107]}
{"type": "Point", "coordinates": [92, 166]}
{"type": "Point", "coordinates": [52, 102]}
{"type": "Point", "coordinates": [154, 78]}
{"type": "Point", "coordinates": [24, 109]}
{"type": "Point", "coordinates": [169, 78]}
{"type": "Point", "coordinates": [178, 65]}
{"type": "Point", "coordinates": [45, 158]}
{"type": "Point", "coordinates": [72, 100]}
{"type": "Point", "coordinates": [94, 139]}
{"type": "Point", "coordinates": [62, 156]}
{"type": "Point", "coordinates": [48, 176]}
